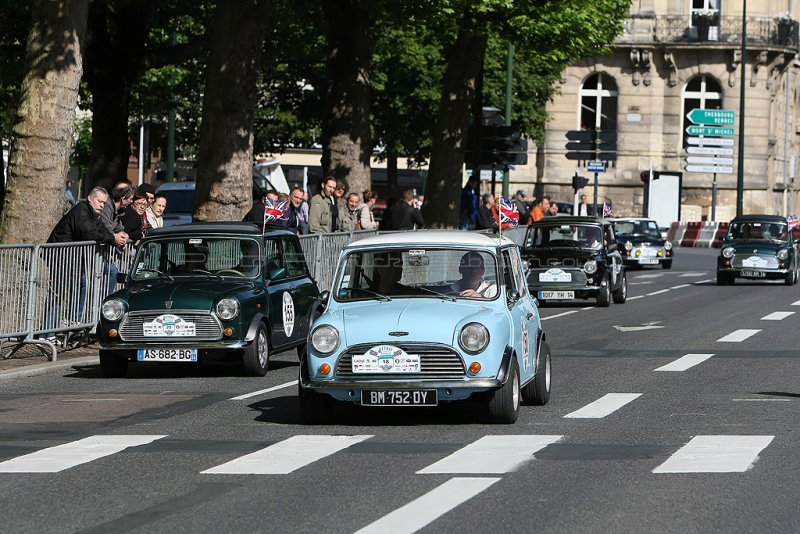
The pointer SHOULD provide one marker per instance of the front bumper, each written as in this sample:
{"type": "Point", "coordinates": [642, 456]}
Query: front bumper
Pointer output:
{"type": "Point", "coordinates": [765, 274]}
{"type": "Point", "coordinates": [581, 292]}
{"type": "Point", "coordinates": [206, 350]}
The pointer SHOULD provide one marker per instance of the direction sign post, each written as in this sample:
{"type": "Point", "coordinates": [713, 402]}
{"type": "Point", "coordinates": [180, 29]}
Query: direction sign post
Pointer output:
{"type": "Point", "coordinates": [710, 130]}
{"type": "Point", "coordinates": [714, 117]}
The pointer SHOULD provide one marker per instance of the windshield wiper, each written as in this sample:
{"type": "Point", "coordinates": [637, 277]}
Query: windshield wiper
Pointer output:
{"type": "Point", "coordinates": [438, 294]}
{"type": "Point", "coordinates": [201, 271]}
{"type": "Point", "coordinates": [164, 276]}
{"type": "Point", "coordinates": [380, 296]}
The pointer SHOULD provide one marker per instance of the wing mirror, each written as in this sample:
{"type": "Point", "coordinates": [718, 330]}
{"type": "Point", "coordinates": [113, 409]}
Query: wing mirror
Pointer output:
{"type": "Point", "coordinates": [122, 278]}
{"type": "Point", "coordinates": [323, 299]}
{"type": "Point", "coordinates": [512, 295]}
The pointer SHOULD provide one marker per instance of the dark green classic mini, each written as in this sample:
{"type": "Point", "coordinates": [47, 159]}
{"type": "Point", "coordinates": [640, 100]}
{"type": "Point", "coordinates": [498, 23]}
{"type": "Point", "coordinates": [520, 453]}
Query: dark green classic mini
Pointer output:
{"type": "Point", "coordinates": [758, 247]}
{"type": "Point", "coordinates": [209, 291]}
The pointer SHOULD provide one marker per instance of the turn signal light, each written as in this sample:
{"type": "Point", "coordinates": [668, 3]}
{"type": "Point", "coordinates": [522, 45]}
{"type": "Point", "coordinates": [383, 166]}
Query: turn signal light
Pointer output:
{"type": "Point", "coordinates": [475, 368]}
{"type": "Point", "coordinates": [112, 333]}
{"type": "Point", "coordinates": [325, 368]}
{"type": "Point", "coordinates": [228, 332]}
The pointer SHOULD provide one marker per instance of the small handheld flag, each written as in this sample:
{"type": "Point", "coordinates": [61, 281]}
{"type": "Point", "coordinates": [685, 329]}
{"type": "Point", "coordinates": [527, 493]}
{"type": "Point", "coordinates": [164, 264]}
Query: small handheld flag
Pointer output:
{"type": "Point", "coordinates": [274, 211]}
{"type": "Point", "coordinates": [792, 220]}
{"type": "Point", "coordinates": [508, 213]}
{"type": "Point", "coordinates": [607, 210]}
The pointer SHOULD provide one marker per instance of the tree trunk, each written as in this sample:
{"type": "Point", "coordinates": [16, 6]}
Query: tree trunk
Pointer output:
{"type": "Point", "coordinates": [225, 166]}
{"type": "Point", "coordinates": [443, 186]}
{"type": "Point", "coordinates": [114, 56]}
{"type": "Point", "coordinates": [391, 175]}
{"type": "Point", "coordinates": [347, 144]}
{"type": "Point", "coordinates": [42, 137]}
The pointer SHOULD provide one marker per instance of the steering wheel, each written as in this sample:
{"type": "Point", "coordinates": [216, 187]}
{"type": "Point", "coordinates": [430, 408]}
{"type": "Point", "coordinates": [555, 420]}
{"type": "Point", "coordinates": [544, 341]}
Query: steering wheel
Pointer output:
{"type": "Point", "coordinates": [229, 271]}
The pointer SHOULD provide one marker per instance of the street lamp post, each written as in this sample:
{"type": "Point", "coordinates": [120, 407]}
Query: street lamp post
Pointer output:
{"type": "Point", "coordinates": [740, 161]}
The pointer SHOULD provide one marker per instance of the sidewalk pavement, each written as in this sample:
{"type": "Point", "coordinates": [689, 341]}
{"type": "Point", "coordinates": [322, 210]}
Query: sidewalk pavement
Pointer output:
{"type": "Point", "coordinates": [29, 360]}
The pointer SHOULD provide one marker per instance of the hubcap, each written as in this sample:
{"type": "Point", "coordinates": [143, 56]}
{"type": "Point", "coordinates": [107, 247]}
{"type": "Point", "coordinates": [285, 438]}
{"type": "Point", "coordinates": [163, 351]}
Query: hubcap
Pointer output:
{"type": "Point", "coordinates": [263, 350]}
{"type": "Point", "coordinates": [547, 372]}
{"type": "Point", "coordinates": [515, 392]}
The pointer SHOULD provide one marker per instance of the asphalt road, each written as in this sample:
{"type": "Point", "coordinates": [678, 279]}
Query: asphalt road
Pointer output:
{"type": "Point", "coordinates": [674, 412]}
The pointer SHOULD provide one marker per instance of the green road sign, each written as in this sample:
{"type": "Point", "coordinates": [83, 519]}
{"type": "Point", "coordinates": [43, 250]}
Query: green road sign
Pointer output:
{"type": "Point", "coordinates": [710, 130]}
{"type": "Point", "coordinates": [716, 117]}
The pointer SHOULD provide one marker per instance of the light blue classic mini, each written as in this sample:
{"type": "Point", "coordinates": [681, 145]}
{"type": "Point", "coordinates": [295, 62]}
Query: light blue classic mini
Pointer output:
{"type": "Point", "coordinates": [424, 318]}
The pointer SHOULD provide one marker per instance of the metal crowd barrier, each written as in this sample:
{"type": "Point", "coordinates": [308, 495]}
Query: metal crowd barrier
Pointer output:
{"type": "Point", "coordinates": [59, 288]}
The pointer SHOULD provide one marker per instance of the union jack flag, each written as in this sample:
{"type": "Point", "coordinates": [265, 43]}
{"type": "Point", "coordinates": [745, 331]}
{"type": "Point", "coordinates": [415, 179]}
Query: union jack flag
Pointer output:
{"type": "Point", "coordinates": [792, 220]}
{"type": "Point", "coordinates": [509, 215]}
{"type": "Point", "coordinates": [275, 211]}
{"type": "Point", "coordinates": [607, 210]}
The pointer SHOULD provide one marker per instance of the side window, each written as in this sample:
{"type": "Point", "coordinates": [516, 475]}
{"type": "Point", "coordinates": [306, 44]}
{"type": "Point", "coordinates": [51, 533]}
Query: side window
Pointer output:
{"type": "Point", "coordinates": [609, 235]}
{"type": "Point", "coordinates": [509, 279]}
{"type": "Point", "coordinates": [516, 269]}
{"type": "Point", "coordinates": [274, 266]}
{"type": "Point", "coordinates": [293, 256]}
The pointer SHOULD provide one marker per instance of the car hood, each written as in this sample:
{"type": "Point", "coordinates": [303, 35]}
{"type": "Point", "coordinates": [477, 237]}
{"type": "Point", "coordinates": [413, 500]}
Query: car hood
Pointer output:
{"type": "Point", "coordinates": [424, 320]}
{"type": "Point", "coordinates": [187, 294]}
{"type": "Point", "coordinates": [754, 246]}
{"type": "Point", "coordinates": [640, 240]}
{"type": "Point", "coordinates": [543, 258]}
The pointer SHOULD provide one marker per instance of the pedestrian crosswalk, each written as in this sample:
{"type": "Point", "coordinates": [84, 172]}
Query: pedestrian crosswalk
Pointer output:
{"type": "Point", "coordinates": [488, 455]}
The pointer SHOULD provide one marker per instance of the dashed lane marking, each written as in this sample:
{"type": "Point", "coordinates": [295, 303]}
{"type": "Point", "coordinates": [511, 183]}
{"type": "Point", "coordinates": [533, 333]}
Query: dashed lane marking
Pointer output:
{"type": "Point", "coordinates": [263, 391]}
{"type": "Point", "coordinates": [685, 362]}
{"type": "Point", "coordinates": [605, 405]}
{"type": "Point", "coordinates": [491, 455]}
{"type": "Point", "coordinates": [777, 316]}
{"type": "Point", "coordinates": [657, 292]}
{"type": "Point", "coordinates": [559, 315]}
{"type": "Point", "coordinates": [738, 335]}
{"type": "Point", "coordinates": [681, 286]}
{"type": "Point", "coordinates": [715, 454]}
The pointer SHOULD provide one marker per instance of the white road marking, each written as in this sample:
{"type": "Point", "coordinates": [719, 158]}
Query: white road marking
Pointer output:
{"type": "Point", "coordinates": [650, 275]}
{"type": "Point", "coordinates": [646, 326]}
{"type": "Point", "coordinates": [286, 456]}
{"type": "Point", "coordinates": [715, 454]}
{"type": "Point", "coordinates": [262, 391]}
{"type": "Point", "coordinates": [636, 297]}
{"type": "Point", "coordinates": [777, 316]}
{"type": "Point", "coordinates": [764, 400]}
{"type": "Point", "coordinates": [681, 286]}
{"type": "Point", "coordinates": [559, 315]}
{"type": "Point", "coordinates": [738, 335]}
{"type": "Point", "coordinates": [702, 281]}
{"type": "Point", "coordinates": [685, 362]}
{"type": "Point", "coordinates": [491, 455]}
{"type": "Point", "coordinates": [61, 457]}
{"type": "Point", "coordinates": [605, 405]}
{"type": "Point", "coordinates": [688, 275]}
{"type": "Point", "coordinates": [796, 303]}
{"type": "Point", "coordinates": [638, 283]}
{"type": "Point", "coordinates": [434, 504]}
{"type": "Point", "coordinates": [658, 292]}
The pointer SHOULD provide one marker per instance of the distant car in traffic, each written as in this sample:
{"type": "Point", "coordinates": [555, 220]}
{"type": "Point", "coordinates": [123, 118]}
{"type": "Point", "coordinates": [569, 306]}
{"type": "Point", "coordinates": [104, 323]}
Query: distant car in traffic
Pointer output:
{"type": "Point", "coordinates": [641, 242]}
{"type": "Point", "coordinates": [423, 319]}
{"type": "Point", "coordinates": [209, 291]}
{"type": "Point", "coordinates": [574, 258]}
{"type": "Point", "coordinates": [758, 247]}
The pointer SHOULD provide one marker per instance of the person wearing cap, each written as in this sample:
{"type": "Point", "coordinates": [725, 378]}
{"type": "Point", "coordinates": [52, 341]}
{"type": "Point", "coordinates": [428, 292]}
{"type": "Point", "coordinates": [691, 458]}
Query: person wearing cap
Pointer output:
{"type": "Point", "coordinates": [149, 191]}
{"type": "Point", "coordinates": [522, 206]}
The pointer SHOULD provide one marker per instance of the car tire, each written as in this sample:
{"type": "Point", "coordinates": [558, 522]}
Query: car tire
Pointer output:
{"type": "Point", "coordinates": [724, 279]}
{"type": "Point", "coordinates": [503, 405]}
{"type": "Point", "coordinates": [537, 392]}
{"type": "Point", "coordinates": [791, 278]}
{"type": "Point", "coordinates": [621, 293]}
{"type": "Point", "coordinates": [301, 351]}
{"type": "Point", "coordinates": [666, 265]}
{"type": "Point", "coordinates": [256, 355]}
{"type": "Point", "coordinates": [315, 408]}
{"type": "Point", "coordinates": [113, 365]}
{"type": "Point", "coordinates": [604, 296]}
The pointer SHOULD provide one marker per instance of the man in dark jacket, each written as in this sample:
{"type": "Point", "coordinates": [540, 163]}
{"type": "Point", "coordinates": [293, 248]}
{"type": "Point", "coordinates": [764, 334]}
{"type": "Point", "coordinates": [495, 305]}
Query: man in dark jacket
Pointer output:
{"type": "Point", "coordinates": [404, 215]}
{"type": "Point", "coordinates": [485, 214]}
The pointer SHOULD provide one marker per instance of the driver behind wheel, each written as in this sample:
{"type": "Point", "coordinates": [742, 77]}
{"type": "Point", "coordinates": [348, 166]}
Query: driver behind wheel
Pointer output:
{"type": "Point", "coordinates": [472, 285]}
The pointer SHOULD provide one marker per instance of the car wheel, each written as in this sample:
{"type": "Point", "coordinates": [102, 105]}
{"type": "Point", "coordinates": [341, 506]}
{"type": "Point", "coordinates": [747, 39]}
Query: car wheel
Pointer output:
{"type": "Point", "coordinates": [537, 392]}
{"type": "Point", "coordinates": [604, 297]}
{"type": "Point", "coordinates": [503, 406]}
{"type": "Point", "coordinates": [315, 408]}
{"type": "Point", "coordinates": [256, 355]}
{"type": "Point", "coordinates": [301, 351]}
{"type": "Point", "coordinates": [791, 278]}
{"type": "Point", "coordinates": [724, 279]}
{"type": "Point", "coordinates": [666, 265]}
{"type": "Point", "coordinates": [113, 365]}
{"type": "Point", "coordinates": [621, 294]}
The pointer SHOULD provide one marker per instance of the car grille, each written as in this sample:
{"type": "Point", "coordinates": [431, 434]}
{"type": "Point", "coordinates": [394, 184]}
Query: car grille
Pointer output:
{"type": "Point", "coordinates": [436, 362]}
{"type": "Point", "coordinates": [207, 327]}
{"type": "Point", "coordinates": [770, 262]}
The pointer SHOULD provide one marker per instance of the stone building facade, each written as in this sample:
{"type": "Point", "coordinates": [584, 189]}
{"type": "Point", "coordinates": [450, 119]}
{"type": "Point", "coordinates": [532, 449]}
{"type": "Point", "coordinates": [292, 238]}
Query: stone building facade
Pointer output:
{"type": "Point", "coordinates": [675, 56]}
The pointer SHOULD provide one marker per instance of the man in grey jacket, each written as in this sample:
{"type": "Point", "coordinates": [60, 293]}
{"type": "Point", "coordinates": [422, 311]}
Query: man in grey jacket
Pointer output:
{"type": "Point", "coordinates": [322, 212]}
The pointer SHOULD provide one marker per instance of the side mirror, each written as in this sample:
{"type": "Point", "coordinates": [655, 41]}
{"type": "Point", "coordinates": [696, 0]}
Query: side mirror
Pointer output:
{"type": "Point", "coordinates": [526, 267]}
{"type": "Point", "coordinates": [323, 298]}
{"type": "Point", "coordinates": [512, 295]}
{"type": "Point", "coordinates": [612, 247]}
{"type": "Point", "coordinates": [122, 278]}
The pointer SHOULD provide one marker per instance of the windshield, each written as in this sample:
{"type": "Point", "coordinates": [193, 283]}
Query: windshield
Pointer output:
{"type": "Point", "coordinates": [758, 231]}
{"type": "Point", "coordinates": [564, 236]}
{"type": "Point", "coordinates": [198, 257]}
{"type": "Point", "coordinates": [643, 228]}
{"type": "Point", "coordinates": [427, 273]}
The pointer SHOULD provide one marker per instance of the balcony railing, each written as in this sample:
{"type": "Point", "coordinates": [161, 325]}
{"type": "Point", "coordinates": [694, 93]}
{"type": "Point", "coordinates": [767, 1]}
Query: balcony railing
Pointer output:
{"type": "Point", "coordinates": [761, 31]}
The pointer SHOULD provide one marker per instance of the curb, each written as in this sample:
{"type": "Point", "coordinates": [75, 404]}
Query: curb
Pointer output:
{"type": "Point", "coordinates": [45, 368]}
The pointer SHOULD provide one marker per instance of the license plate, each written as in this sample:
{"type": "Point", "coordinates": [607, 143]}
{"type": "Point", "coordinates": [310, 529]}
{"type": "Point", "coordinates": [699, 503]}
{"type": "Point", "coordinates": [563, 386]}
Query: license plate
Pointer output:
{"type": "Point", "coordinates": [556, 295]}
{"type": "Point", "coordinates": [648, 262]}
{"type": "Point", "coordinates": [167, 355]}
{"type": "Point", "coordinates": [754, 274]}
{"type": "Point", "coordinates": [411, 397]}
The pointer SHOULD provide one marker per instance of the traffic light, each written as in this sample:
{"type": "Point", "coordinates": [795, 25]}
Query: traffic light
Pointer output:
{"type": "Point", "coordinates": [579, 182]}
{"type": "Point", "coordinates": [644, 175]}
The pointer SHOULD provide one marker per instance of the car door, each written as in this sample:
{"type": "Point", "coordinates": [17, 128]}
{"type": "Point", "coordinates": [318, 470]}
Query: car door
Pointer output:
{"type": "Point", "coordinates": [281, 313]}
{"type": "Point", "coordinates": [303, 290]}
{"type": "Point", "coordinates": [521, 311]}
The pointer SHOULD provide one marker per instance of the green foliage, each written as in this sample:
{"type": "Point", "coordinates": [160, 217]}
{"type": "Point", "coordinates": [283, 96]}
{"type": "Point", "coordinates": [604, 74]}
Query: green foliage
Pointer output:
{"type": "Point", "coordinates": [15, 23]}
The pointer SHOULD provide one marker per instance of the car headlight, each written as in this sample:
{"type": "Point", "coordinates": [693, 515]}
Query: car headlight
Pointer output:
{"type": "Point", "coordinates": [325, 339]}
{"type": "Point", "coordinates": [113, 309]}
{"type": "Point", "coordinates": [590, 266]}
{"type": "Point", "coordinates": [227, 309]}
{"type": "Point", "coordinates": [782, 254]}
{"type": "Point", "coordinates": [628, 245]}
{"type": "Point", "coordinates": [474, 337]}
{"type": "Point", "coordinates": [667, 245]}
{"type": "Point", "coordinates": [728, 252]}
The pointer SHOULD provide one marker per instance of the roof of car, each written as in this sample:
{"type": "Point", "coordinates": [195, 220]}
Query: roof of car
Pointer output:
{"type": "Point", "coordinates": [216, 228]}
{"type": "Point", "coordinates": [615, 219]}
{"type": "Point", "coordinates": [433, 237]}
{"type": "Point", "coordinates": [176, 186]}
{"type": "Point", "coordinates": [569, 219]}
{"type": "Point", "coordinates": [759, 218]}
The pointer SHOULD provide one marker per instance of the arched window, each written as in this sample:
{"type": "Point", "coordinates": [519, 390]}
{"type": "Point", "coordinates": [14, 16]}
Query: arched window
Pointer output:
{"type": "Point", "coordinates": [599, 103]}
{"type": "Point", "coordinates": [702, 92]}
